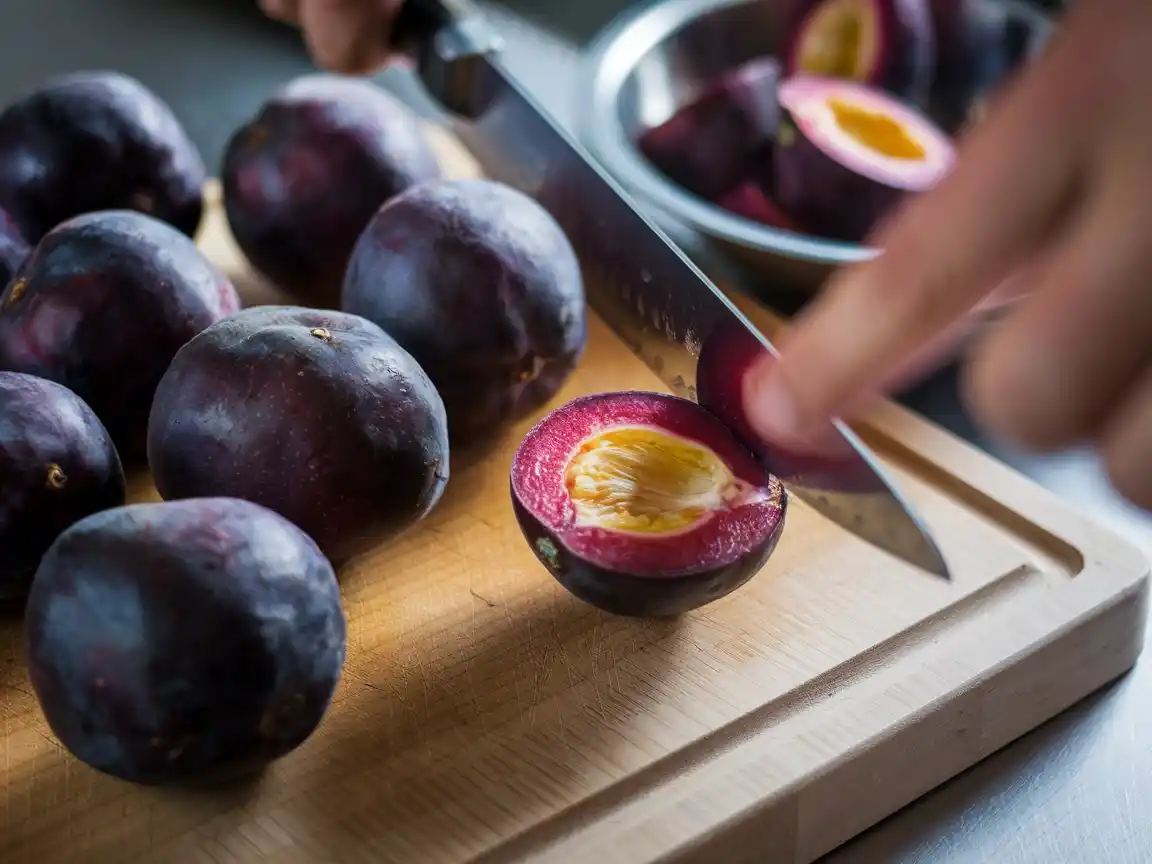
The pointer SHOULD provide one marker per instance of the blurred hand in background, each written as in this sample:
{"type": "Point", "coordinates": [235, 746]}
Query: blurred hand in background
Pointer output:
{"type": "Point", "coordinates": [1051, 190]}
{"type": "Point", "coordinates": [347, 36]}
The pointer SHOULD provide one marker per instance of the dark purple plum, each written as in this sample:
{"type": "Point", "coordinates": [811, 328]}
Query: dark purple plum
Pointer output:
{"type": "Point", "coordinates": [13, 247]}
{"type": "Point", "coordinates": [848, 153]}
{"type": "Point", "coordinates": [97, 140]}
{"type": "Point", "coordinates": [57, 465]}
{"type": "Point", "coordinates": [886, 44]}
{"type": "Point", "coordinates": [478, 282]}
{"type": "Point", "coordinates": [305, 175]}
{"type": "Point", "coordinates": [182, 643]}
{"type": "Point", "coordinates": [644, 504]}
{"type": "Point", "coordinates": [320, 416]}
{"type": "Point", "coordinates": [716, 140]}
{"type": "Point", "coordinates": [102, 304]}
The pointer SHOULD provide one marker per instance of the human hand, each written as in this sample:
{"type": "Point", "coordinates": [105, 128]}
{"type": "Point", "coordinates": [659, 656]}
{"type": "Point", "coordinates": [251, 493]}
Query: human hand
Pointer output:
{"type": "Point", "coordinates": [346, 36]}
{"type": "Point", "coordinates": [1052, 191]}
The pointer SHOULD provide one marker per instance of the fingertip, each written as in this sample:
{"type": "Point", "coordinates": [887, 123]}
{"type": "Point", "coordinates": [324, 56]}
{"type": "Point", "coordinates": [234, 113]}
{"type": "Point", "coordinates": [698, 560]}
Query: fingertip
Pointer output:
{"type": "Point", "coordinates": [349, 37]}
{"type": "Point", "coordinates": [285, 11]}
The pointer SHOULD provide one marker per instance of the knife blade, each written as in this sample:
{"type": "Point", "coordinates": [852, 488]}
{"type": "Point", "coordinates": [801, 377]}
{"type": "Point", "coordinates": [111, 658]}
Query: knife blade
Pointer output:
{"type": "Point", "coordinates": [654, 298]}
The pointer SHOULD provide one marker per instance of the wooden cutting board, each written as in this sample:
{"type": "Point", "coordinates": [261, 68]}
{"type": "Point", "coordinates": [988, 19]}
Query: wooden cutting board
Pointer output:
{"type": "Point", "coordinates": [486, 715]}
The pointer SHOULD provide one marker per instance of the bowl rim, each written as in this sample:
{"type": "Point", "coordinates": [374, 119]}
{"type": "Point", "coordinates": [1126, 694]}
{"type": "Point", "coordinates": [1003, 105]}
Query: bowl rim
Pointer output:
{"type": "Point", "coordinates": [610, 58]}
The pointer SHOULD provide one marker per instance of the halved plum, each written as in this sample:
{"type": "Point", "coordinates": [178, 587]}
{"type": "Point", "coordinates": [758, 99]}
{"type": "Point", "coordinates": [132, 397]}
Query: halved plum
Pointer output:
{"type": "Point", "coordinates": [711, 143]}
{"type": "Point", "coordinates": [888, 44]}
{"type": "Point", "coordinates": [644, 504]}
{"type": "Point", "coordinates": [848, 153]}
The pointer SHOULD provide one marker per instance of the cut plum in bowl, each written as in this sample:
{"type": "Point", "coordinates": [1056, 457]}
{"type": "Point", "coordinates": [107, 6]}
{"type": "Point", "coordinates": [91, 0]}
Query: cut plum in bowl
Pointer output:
{"type": "Point", "coordinates": [644, 504]}
{"type": "Point", "coordinates": [889, 44]}
{"type": "Point", "coordinates": [847, 153]}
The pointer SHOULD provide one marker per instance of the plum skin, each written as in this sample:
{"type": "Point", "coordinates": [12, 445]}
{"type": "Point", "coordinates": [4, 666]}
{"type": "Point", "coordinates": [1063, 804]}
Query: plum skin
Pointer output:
{"type": "Point", "coordinates": [102, 304]}
{"type": "Point", "coordinates": [13, 247]}
{"type": "Point", "coordinates": [226, 663]}
{"type": "Point", "coordinates": [304, 176]}
{"type": "Point", "coordinates": [480, 284]}
{"type": "Point", "coordinates": [319, 416]}
{"type": "Point", "coordinates": [57, 466]}
{"type": "Point", "coordinates": [97, 140]}
{"type": "Point", "coordinates": [642, 596]}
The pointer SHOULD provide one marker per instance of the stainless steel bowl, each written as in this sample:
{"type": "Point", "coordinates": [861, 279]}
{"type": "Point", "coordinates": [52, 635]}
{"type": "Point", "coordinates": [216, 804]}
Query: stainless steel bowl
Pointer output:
{"type": "Point", "coordinates": [657, 57]}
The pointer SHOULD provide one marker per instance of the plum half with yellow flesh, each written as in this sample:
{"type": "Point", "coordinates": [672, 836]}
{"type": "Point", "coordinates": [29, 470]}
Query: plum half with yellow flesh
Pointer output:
{"type": "Point", "coordinates": [888, 44]}
{"type": "Point", "coordinates": [644, 504]}
{"type": "Point", "coordinates": [848, 153]}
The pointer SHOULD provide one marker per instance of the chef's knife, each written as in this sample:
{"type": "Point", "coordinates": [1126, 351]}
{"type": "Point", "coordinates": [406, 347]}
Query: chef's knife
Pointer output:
{"type": "Point", "coordinates": [636, 280]}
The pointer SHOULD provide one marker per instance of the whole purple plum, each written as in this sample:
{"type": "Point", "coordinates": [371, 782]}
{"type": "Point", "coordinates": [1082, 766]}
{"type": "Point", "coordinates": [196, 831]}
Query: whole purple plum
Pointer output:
{"type": "Point", "coordinates": [479, 283]}
{"type": "Point", "coordinates": [97, 140]}
{"type": "Point", "coordinates": [320, 416]}
{"type": "Point", "coordinates": [57, 465]}
{"type": "Point", "coordinates": [303, 177]}
{"type": "Point", "coordinates": [184, 642]}
{"type": "Point", "coordinates": [102, 304]}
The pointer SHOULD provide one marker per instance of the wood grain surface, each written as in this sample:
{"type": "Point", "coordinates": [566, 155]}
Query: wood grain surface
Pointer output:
{"type": "Point", "coordinates": [486, 715]}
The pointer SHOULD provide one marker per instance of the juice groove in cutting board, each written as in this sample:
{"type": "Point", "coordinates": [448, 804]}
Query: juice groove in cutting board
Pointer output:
{"type": "Point", "coordinates": [486, 715]}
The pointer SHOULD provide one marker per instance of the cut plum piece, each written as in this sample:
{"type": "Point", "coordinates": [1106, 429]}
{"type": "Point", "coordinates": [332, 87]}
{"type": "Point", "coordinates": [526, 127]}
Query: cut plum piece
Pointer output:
{"type": "Point", "coordinates": [726, 358]}
{"type": "Point", "coordinates": [711, 143]}
{"type": "Point", "coordinates": [888, 44]}
{"type": "Point", "coordinates": [848, 153]}
{"type": "Point", "coordinates": [749, 200]}
{"type": "Point", "coordinates": [644, 504]}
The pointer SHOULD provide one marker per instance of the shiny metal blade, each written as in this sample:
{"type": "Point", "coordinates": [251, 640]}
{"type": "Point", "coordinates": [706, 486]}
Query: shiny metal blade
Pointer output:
{"type": "Point", "coordinates": [668, 313]}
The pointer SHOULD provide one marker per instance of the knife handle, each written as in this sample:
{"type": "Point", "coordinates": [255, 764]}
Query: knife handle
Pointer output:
{"type": "Point", "coordinates": [420, 20]}
{"type": "Point", "coordinates": [449, 41]}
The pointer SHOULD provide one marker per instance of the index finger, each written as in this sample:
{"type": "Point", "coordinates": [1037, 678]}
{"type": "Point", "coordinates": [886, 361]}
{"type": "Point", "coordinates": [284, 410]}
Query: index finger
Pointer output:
{"type": "Point", "coordinates": [347, 36]}
{"type": "Point", "coordinates": [941, 254]}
